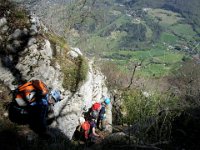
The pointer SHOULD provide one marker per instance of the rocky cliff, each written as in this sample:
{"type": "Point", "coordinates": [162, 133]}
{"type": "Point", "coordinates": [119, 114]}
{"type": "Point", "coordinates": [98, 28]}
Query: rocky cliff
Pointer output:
{"type": "Point", "coordinates": [30, 51]}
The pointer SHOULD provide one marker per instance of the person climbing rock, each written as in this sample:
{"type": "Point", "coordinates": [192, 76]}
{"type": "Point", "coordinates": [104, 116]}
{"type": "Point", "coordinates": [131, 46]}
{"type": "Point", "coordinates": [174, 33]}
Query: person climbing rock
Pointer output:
{"type": "Point", "coordinates": [93, 136]}
{"type": "Point", "coordinates": [93, 112]}
{"type": "Point", "coordinates": [101, 121]}
{"type": "Point", "coordinates": [81, 133]}
{"type": "Point", "coordinates": [30, 105]}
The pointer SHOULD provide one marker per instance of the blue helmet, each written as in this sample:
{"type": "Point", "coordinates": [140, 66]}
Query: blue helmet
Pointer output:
{"type": "Point", "coordinates": [107, 101]}
{"type": "Point", "coordinates": [56, 94]}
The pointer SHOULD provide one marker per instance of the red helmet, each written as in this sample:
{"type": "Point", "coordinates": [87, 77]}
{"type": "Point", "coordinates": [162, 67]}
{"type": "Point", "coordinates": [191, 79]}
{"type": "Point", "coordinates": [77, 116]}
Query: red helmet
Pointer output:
{"type": "Point", "coordinates": [96, 106]}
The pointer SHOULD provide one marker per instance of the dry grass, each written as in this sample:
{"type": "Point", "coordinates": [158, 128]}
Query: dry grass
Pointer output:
{"type": "Point", "coordinates": [16, 16]}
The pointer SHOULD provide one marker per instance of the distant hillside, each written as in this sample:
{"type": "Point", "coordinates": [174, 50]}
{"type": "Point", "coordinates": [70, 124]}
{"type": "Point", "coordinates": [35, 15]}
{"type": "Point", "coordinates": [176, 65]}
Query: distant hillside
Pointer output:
{"type": "Point", "coordinates": [130, 27]}
{"type": "Point", "coordinates": [101, 18]}
{"type": "Point", "coordinates": [130, 30]}
{"type": "Point", "coordinates": [188, 9]}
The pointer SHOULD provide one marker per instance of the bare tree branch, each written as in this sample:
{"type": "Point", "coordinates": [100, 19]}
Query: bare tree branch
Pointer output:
{"type": "Point", "coordinates": [133, 73]}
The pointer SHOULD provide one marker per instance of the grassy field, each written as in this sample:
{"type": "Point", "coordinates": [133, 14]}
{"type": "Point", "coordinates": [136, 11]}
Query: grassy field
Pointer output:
{"type": "Point", "coordinates": [173, 26]}
{"type": "Point", "coordinates": [157, 62]}
{"type": "Point", "coordinates": [166, 18]}
{"type": "Point", "coordinates": [168, 38]}
{"type": "Point", "coordinates": [184, 30]}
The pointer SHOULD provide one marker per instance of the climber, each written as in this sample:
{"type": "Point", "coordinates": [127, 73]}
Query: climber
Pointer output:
{"type": "Point", "coordinates": [93, 136]}
{"type": "Point", "coordinates": [85, 129]}
{"type": "Point", "coordinates": [102, 114]}
{"type": "Point", "coordinates": [82, 131]}
{"type": "Point", "coordinates": [94, 111]}
{"type": "Point", "coordinates": [30, 105]}
{"type": "Point", "coordinates": [91, 117]}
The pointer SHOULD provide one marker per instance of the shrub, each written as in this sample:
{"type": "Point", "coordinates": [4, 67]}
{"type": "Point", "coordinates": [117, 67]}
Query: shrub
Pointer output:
{"type": "Point", "coordinates": [115, 77]}
{"type": "Point", "coordinates": [149, 117]}
{"type": "Point", "coordinates": [186, 82]}
{"type": "Point", "coordinates": [74, 73]}
{"type": "Point", "coordinates": [74, 70]}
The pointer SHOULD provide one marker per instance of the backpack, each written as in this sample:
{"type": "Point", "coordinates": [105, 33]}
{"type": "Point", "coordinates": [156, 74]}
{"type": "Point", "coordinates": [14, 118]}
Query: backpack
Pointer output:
{"type": "Point", "coordinates": [94, 114]}
{"type": "Point", "coordinates": [29, 92]}
{"type": "Point", "coordinates": [86, 128]}
{"type": "Point", "coordinates": [102, 113]}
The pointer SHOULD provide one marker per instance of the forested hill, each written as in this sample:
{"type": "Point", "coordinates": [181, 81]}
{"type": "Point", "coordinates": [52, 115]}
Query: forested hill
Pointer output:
{"type": "Point", "coordinates": [115, 25]}
{"type": "Point", "coordinates": [189, 9]}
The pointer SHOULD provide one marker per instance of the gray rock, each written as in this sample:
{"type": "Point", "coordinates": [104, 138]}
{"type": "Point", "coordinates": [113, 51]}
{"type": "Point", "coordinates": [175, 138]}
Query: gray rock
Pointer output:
{"type": "Point", "coordinates": [73, 54]}
{"type": "Point", "coordinates": [32, 41]}
{"type": "Point", "coordinates": [3, 22]}
{"type": "Point", "coordinates": [25, 31]}
{"type": "Point", "coordinates": [16, 44]}
{"type": "Point", "coordinates": [33, 20]}
{"type": "Point", "coordinates": [77, 50]}
{"type": "Point", "coordinates": [33, 30]}
{"type": "Point", "coordinates": [4, 29]}
{"type": "Point", "coordinates": [17, 34]}
{"type": "Point", "coordinates": [6, 76]}
{"type": "Point", "coordinates": [11, 48]}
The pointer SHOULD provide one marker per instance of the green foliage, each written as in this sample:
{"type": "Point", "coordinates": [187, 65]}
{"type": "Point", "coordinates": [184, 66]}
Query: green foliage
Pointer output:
{"type": "Point", "coordinates": [83, 68]}
{"type": "Point", "coordinates": [74, 73]}
{"type": "Point", "coordinates": [165, 18]}
{"type": "Point", "coordinates": [168, 38]}
{"type": "Point", "coordinates": [74, 70]}
{"type": "Point", "coordinates": [139, 108]}
{"type": "Point", "coordinates": [57, 40]}
{"type": "Point", "coordinates": [157, 62]}
{"type": "Point", "coordinates": [135, 33]}
{"type": "Point", "coordinates": [183, 30]}
{"type": "Point", "coordinates": [151, 116]}
{"type": "Point", "coordinates": [155, 28]}
{"type": "Point", "coordinates": [69, 71]}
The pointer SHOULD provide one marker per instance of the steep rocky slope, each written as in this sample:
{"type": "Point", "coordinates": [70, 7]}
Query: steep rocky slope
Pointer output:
{"type": "Point", "coordinates": [29, 51]}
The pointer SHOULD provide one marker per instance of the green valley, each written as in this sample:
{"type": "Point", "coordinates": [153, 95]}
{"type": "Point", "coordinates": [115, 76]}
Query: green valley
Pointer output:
{"type": "Point", "coordinates": [109, 28]}
{"type": "Point", "coordinates": [161, 38]}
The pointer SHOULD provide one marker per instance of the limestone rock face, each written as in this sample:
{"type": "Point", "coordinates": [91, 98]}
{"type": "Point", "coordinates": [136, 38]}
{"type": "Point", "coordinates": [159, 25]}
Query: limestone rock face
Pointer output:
{"type": "Point", "coordinates": [27, 54]}
{"type": "Point", "coordinates": [96, 90]}
{"type": "Point", "coordinates": [93, 90]}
